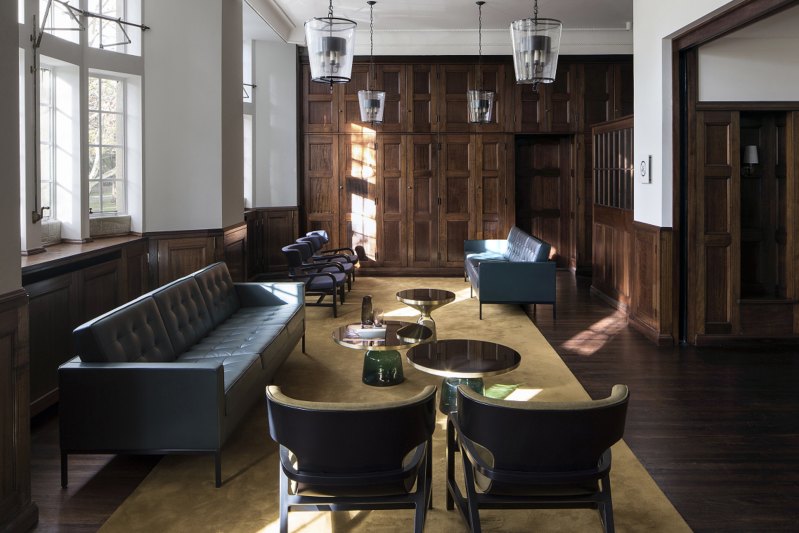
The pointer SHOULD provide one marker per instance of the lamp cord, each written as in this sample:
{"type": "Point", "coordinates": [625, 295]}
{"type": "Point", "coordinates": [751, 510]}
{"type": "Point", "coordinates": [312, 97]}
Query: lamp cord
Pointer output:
{"type": "Point", "coordinates": [371, 44]}
{"type": "Point", "coordinates": [479, 45]}
{"type": "Point", "coordinates": [330, 10]}
{"type": "Point", "coordinates": [535, 11]}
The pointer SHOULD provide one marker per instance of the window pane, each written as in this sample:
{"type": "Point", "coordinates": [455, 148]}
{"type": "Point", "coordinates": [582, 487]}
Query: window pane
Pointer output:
{"type": "Point", "coordinates": [94, 163]}
{"type": "Point", "coordinates": [46, 200]}
{"type": "Point", "coordinates": [94, 93]}
{"type": "Point", "coordinates": [45, 135]}
{"type": "Point", "coordinates": [112, 159]}
{"type": "Point", "coordinates": [94, 128]}
{"type": "Point", "coordinates": [111, 95]}
{"type": "Point", "coordinates": [94, 197]}
{"type": "Point", "coordinates": [45, 94]}
{"type": "Point", "coordinates": [45, 164]}
{"type": "Point", "coordinates": [110, 125]}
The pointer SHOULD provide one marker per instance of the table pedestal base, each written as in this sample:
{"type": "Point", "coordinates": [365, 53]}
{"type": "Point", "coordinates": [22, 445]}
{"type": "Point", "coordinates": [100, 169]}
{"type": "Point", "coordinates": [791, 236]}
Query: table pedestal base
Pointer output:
{"type": "Point", "coordinates": [382, 368]}
{"type": "Point", "coordinates": [427, 320]}
{"type": "Point", "coordinates": [449, 392]}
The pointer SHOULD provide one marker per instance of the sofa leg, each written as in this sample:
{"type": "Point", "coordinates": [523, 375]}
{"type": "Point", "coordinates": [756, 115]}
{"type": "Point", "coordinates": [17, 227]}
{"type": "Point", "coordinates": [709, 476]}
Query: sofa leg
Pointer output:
{"type": "Point", "coordinates": [218, 468]}
{"type": "Point", "coordinates": [64, 470]}
{"type": "Point", "coordinates": [554, 313]}
{"type": "Point", "coordinates": [481, 310]}
{"type": "Point", "coordinates": [471, 291]}
{"type": "Point", "coordinates": [303, 343]}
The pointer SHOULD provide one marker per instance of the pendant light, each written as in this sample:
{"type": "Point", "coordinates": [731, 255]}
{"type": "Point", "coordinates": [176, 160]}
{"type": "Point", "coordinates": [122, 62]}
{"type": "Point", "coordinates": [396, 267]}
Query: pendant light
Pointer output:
{"type": "Point", "coordinates": [372, 103]}
{"type": "Point", "coordinates": [536, 43]}
{"type": "Point", "coordinates": [481, 102]}
{"type": "Point", "coordinates": [331, 43]}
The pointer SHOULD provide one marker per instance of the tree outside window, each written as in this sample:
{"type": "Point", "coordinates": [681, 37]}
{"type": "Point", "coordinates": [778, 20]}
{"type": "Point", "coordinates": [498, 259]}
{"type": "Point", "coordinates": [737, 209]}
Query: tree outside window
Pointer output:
{"type": "Point", "coordinates": [106, 146]}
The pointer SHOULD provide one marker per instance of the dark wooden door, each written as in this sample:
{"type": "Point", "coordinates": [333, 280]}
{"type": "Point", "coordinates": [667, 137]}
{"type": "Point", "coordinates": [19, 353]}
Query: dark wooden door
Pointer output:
{"type": "Point", "coordinates": [494, 79]}
{"type": "Point", "coordinates": [348, 107]}
{"type": "Point", "coordinates": [453, 82]}
{"type": "Point", "coordinates": [392, 233]}
{"type": "Point", "coordinates": [320, 112]}
{"type": "Point", "coordinates": [543, 169]}
{"type": "Point", "coordinates": [422, 198]}
{"type": "Point", "coordinates": [530, 109]}
{"type": "Point", "coordinates": [456, 177]}
{"type": "Point", "coordinates": [597, 94]}
{"type": "Point", "coordinates": [491, 192]}
{"type": "Point", "coordinates": [391, 79]}
{"type": "Point", "coordinates": [322, 185]}
{"type": "Point", "coordinates": [714, 267]}
{"type": "Point", "coordinates": [423, 98]}
{"type": "Point", "coordinates": [358, 192]}
{"type": "Point", "coordinates": [561, 96]}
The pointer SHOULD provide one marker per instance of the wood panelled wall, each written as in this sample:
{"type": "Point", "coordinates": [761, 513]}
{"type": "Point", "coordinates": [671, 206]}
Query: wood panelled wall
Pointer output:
{"type": "Point", "coordinates": [412, 189]}
{"type": "Point", "coordinates": [17, 512]}
{"type": "Point", "coordinates": [650, 308]}
{"type": "Point", "coordinates": [613, 171]}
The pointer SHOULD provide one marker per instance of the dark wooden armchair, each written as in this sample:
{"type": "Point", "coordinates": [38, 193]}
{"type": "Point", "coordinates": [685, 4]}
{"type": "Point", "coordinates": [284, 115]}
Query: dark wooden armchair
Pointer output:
{"type": "Point", "coordinates": [340, 456]}
{"type": "Point", "coordinates": [533, 455]}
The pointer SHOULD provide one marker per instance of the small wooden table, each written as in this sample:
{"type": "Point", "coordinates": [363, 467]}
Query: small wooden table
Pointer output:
{"type": "Point", "coordinates": [462, 361]}
{"type": "Point", "coordinates": [426, 301]}
{"type": "Point", "coordinates": [382, 364]}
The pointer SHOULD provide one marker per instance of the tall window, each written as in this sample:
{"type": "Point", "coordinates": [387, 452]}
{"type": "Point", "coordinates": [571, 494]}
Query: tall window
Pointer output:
{"type": "Point", "coordinates": [105, 33]}
{"type": "Point", "coordinates": [47, 141]}
{"type": "Point", "coordinates": [106, 146]}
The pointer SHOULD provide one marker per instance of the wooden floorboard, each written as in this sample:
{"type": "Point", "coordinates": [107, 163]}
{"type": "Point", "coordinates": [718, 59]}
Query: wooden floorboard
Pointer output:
{"type": "Point", "coordinates": [717, 429]}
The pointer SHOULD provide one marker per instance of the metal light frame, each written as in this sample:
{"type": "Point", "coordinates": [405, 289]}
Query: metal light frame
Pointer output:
{"type": "Point", "coordinates": [371, 103]}
{"type": "Point", "coordinates": [536, 44]}
{"type": "Point", "coordinates": [480, 101]}
{"type": "Point", "coordinates": [331, 45]}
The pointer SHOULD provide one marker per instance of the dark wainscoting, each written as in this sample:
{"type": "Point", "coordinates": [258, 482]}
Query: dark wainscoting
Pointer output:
{"type": "Point", "coordinates": [17, 512]}
{"type": "Point", "coordinates": [176, 254]}
{"type": "Point", "coordinates": [235, 251]}
{"type": "Point", "coordinates": [651, 301]}
{"type": "Point", "coordinates": [612, 254]}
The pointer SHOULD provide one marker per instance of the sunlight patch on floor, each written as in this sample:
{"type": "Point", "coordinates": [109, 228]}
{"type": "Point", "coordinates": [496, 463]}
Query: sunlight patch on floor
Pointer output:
{"type": "Point", "coordinates": [588, 341]}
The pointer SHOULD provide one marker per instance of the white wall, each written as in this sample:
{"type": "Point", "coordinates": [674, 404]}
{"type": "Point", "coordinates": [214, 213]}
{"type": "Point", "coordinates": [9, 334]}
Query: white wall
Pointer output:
{"type": "Point", "coordinates": [183, 115]}
{"type": "Point", "coordinates": [653, 23]}
{"type": "Point", "coordinates": [757, 63]}
{"type": "Point", "coordinates": [10, 276]}
{"type": "Point", "coordinates": [276, 175]}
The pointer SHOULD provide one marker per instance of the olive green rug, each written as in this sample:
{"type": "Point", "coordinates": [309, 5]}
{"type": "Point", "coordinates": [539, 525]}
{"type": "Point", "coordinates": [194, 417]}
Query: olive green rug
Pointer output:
{"type": "Point", "coordinates": [179, 493]}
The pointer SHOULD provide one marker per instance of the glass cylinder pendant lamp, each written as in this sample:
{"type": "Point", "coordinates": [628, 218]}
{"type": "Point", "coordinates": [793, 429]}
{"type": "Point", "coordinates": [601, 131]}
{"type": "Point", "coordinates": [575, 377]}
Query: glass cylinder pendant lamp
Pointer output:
{"type": "Point", "coordinates": [480, 101]}
{"type": "Point", "coordinates": [536, 43]}
{"type": "Point", "coordinates": [331, 44]}
{"type": "Point", "coordinates": [372, 103]}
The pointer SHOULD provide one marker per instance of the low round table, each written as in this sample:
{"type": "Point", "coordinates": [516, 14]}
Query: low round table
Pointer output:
{"type": "Point", "coordinates": [462, 361]}
{"type": "Point", "coordinates": [382, 364]}
{"type": "Point", "coordinates": [426, 301]}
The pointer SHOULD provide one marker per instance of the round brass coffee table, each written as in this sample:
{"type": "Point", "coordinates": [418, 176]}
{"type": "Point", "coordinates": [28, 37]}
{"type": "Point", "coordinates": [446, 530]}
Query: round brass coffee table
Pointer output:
{"type": "Point", "coordinates": [426, 301]}
{"type": "Point", "coordinates": [382, 364]}
{"type": "Point", "coordinates": [462, 361]}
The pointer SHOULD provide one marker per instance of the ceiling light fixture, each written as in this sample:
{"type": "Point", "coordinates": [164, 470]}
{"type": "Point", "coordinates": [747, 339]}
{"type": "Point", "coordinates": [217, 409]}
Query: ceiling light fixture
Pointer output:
{"type": "Point", "coordinates": [480, 101]}
{"type": "Point", "coordinates": [372, 103]}
{"type": "Point", "coordinates": [331, 43]}
{"type": "Point", "coordinates": [536, 43]}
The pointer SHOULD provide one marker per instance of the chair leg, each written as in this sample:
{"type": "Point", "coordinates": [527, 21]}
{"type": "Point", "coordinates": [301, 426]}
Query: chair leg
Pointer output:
{"type": "Point", "coordinates": [335, 314]}
{"type": "Point", "coordinates": [64, 472]}
{"type": "Point", "coordinates": [284, 507]}
{"type": "Point", "coordinates": [471, 497]}
{"type": "Point", "coordinates": [606, 507]}
{"type": "Point", "coordinates": [218, 468]}
{"type": "Point", "coordinates": [450, 464]}
{"type": "Point", "coordinates": [303, 343]}
{"type": "Point", "coordinates": [342, 294]}
{"type": "Point", "coordinates": [554, 314]}
{"type": "Point", "coordinates": [481, 310]}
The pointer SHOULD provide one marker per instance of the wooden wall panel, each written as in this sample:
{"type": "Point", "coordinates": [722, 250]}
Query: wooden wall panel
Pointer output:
{"type": "Point", "coordinates": [612, 254]}
{"type": "Point", "coordinates": [456, 177]}
{"type": "Point", "coordinates": [651, 290]}
{"type": "Point", "coordinates": [320, 114]}
{"type": "Point", "coordinates": [423, 98]}
{"type": "Point", "coordinates": [491, 173]}
{"type": "Point", "coordinates": [281, 227]}
{"type": "Point", "coordinates": [359, 189]}
{"type": "Point", "coordinates": [136, 273]}
{"type": "Point", "coordinates": [453, 82]}
{"type": "Point", "coordinates": [17, 512]}
{"type": "Point", "coordinates": [391, 177]}
{"type": "Point", "coordinates": [321, 198]}
{"type": "Point", "coordinates": [234, 250]}
{"type": "Point", "coordinates": [391, 79]}
{"type": "Point", "coordinates": [179, 256]}
{"type": "Point", "coordinates": [99, 286]}
{"type": "Point", "coordinates": [423, 201]}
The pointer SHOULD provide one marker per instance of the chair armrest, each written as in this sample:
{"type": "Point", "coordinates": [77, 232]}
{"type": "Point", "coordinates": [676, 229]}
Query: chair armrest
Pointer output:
{"type": "Point", "coordinates": [141, 406]}
{"type": "Point", "coordinates": [485, 245]}
{"type": "Point", "coordinates": [266, 294]}
{"type": "Point", "coordinates": [334, 250]}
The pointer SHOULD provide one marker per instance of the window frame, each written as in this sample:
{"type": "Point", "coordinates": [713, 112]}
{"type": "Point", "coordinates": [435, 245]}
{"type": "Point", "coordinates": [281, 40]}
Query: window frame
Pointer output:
{"type": "Point", "coordinates": [121, 146]}
{"type": "Point", "coordinates": [50, 213]}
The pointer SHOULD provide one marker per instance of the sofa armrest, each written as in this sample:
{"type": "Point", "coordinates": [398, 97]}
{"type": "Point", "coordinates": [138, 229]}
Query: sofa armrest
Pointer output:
{"type": "Point", "coordinates": [519, 282]}
{"type": "Point", "coordinates": [106, 407]}
{"type": "Point", "coordinates": [264, 294]}
{"type": "Point", "coordinates": [485, 245]}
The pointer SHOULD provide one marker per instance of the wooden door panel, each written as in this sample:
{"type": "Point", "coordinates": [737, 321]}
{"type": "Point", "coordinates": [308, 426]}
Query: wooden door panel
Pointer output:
{"type": "Point", "coordinates": [530, 109]}
{"type": "Point", "coordinates": [321, 184]}
{"type": "Point", "coordinates": [453, 82]}
{"type": "Point", "coordinates": [423, 98]}
{"type": "Point", "coordinates": [561, 96]}
{"type": "Point", "coordinates": [100, 286]}
{"type": "Point", "coordinates": [358, 187]}
{"type": "Point", "coordinates": [423, 201]}
{"type": "Point", "coordinates": [490, 179]}
{"type": "Point", "coordinates": [543, 169]}
{"type": "Point", "coordinates": [320, 107]}
{"type": "Point", "coordinates": [494, 78]}
{"type": "Point", "coordinates": [391, 177]}
{"type": "Point", "coordinates": [391, 79]}
{"type": "Point", "coordinates": [597, 93]}
{"type": "Point", "coordinates": [457, 160]}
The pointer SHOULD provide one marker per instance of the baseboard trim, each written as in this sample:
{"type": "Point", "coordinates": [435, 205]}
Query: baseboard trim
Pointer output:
{"type": "Point", "coordinates": [624, 308]}
{"type": "Point", "coordinates": [23, 521]}
{"type": "Point", "coordinates": [661, 339]}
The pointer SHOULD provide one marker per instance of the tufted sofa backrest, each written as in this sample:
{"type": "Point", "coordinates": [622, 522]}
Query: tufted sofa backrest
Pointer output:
{"type": "Point", "coordinates": [131, 333]}
{"type": "Point", "coordinates": [525, 248]}
{"type": "Point", "coordinates": [217, 288]}
{"type": "Point", "coordinates": [184, 313]}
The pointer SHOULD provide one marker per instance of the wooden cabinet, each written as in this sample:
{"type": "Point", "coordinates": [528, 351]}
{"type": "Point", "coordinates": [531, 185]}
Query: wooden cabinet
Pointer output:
{"type": "Point", "coordinates": [321, 184]}
{"type": "Point", "coordinates": [455, 197]}
{"type": "Point", "coordinates": [320, 113]}
{"type": "Point", "coordinates": [422, 97]}
{"type": "Point", "coordinates": [550, 107]}
{"type": "Point", "coordinates": [493, 189]}
{"type": "Point", "coordinates": [269, 229]}
{"type": "Point", "coordinates": [357, 192]}
{"type": "Point", "coordinates": [422, 219]}
{"type": "Point", "coordinates": [392, 179]}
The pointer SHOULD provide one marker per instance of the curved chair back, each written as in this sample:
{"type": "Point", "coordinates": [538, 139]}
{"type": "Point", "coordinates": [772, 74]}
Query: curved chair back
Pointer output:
{"type": "Point", "coordinates": [314, 241]}
{"type": "Point", "coordinates": [294, 255]}
{"type": "Point", "coordinates": [319, 233]}
{"type": "Point", "coordinates": [349, 438]}
{"type": "Point", "coordinates": [543, 436]}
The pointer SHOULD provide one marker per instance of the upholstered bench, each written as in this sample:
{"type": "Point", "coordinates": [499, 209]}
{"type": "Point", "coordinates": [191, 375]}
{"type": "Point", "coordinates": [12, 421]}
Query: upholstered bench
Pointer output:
{"type": "Point", "coordinates": [515, 270]}
{"type": "Point", "coordinates": [177, 369]}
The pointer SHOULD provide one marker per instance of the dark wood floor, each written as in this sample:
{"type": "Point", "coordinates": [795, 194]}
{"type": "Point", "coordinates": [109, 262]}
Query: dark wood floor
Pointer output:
{"type": "Point", "coordinates": [717, 429]}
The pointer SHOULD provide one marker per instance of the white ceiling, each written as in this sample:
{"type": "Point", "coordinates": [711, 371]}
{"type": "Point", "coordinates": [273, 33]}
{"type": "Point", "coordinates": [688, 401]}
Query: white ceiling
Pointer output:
{"type": "Point", "coordinates": [406, 26]}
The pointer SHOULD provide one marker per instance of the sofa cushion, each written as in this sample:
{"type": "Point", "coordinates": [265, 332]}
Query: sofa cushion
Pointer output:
{"type": "Point", "coordinates": [217, 288]}
{"type": "Point", "coordinates": [184, 313]}
{"type": "Point", "coordinates": [523, 247]}
{"type": "Point", "coordinates": [232, 339]}
{"type": "Point", "coordinates": [132, 333]}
